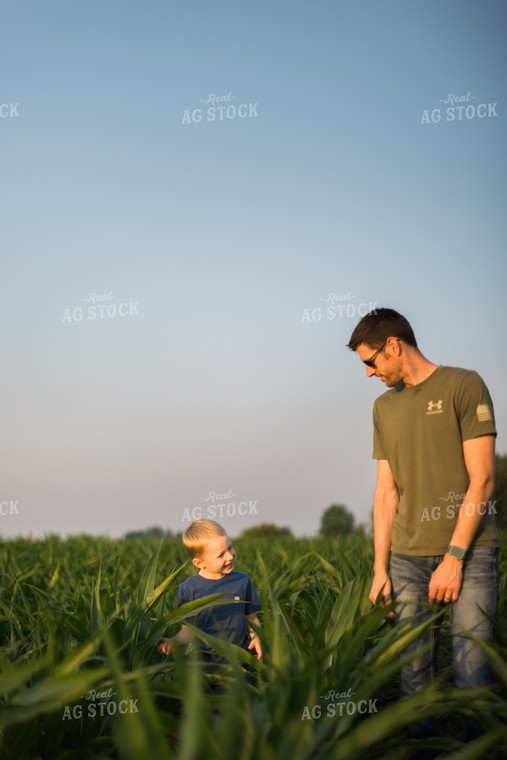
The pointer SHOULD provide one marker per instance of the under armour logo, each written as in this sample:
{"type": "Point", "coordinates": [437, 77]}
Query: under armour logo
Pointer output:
{"type": "Point", "coordinates": [435, 405]}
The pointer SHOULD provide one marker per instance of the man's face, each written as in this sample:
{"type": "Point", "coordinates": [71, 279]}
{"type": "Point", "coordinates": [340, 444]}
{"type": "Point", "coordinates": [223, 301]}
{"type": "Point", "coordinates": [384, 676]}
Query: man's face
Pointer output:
{"type": "Point", "coordinates": [387, 363]}
{"type": "Point", "coordinates": [217, 559]}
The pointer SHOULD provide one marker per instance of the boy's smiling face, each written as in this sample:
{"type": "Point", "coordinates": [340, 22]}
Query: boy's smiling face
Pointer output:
{"type": "Point", "coordinates": [217, 559]}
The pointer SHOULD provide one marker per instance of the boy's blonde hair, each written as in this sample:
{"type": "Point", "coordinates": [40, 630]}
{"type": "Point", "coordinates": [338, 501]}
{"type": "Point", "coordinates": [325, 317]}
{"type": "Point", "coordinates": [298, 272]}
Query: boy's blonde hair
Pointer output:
{"type": "Point", "coordinates": [198, 534]}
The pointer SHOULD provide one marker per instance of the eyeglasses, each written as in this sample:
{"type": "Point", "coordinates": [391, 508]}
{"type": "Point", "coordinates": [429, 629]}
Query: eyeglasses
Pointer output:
{"type": "Point", "coordinates": [371, 361]}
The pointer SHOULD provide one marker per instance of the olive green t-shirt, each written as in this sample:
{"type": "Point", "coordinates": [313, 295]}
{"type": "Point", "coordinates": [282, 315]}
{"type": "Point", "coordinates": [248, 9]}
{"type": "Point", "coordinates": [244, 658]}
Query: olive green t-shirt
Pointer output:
{"type": "Point", "coordinates": [420, 431]}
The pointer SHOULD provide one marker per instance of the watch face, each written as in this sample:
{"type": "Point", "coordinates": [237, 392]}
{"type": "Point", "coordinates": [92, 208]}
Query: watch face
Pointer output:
{"type": "Point", "coordinates": [456, 552]}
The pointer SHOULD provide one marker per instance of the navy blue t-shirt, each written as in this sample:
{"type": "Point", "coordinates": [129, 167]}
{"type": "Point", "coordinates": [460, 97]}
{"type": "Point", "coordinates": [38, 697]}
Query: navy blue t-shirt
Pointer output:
{"type": "Point", "coordinates": [224, 620]}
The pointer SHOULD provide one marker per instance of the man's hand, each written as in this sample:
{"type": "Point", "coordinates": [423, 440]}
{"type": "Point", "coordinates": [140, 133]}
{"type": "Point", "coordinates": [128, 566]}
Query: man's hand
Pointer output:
{"type": "Point", "coordinates": [445, 583]}
{"type": "Point", "coordinates": [382, 580]}
{"type": "Point", "coordinates": [165, 646]}
{"type": "Point", "coordinates": [255, 643]}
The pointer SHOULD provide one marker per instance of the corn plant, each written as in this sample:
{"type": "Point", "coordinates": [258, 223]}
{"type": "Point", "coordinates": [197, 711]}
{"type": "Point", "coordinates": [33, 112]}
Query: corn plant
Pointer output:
{"type": "Point", "coordinates": [80, 675]}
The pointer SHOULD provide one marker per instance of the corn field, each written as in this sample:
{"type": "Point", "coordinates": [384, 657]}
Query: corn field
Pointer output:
{"type": "Point", "coordinates": [80, 675]}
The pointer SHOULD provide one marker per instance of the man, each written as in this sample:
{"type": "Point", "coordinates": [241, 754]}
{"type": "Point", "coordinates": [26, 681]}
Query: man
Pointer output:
{"type": "Point", "coordinates": [434, 436]}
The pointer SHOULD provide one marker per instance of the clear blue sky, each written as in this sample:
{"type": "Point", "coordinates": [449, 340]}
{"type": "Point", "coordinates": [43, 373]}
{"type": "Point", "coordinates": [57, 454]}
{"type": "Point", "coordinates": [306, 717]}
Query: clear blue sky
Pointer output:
{"type": "Point", "coordinates": [220, 238]}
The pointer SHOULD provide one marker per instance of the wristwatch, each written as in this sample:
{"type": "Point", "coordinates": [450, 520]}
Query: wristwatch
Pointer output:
{"type": "Point", "coordinates": [457, 552]}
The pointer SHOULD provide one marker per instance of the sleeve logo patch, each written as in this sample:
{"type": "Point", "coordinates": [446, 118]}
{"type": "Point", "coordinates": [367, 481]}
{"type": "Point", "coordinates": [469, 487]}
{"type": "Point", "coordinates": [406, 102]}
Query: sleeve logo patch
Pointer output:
{"type": "Point", "coordinates": [484, 413]}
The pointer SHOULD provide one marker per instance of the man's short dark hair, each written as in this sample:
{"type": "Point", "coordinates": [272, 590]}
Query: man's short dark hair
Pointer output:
{"type": "Point", "coordinates": [380, 324]}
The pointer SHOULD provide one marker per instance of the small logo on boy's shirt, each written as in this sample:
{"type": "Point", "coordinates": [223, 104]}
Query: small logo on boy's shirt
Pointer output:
{"type": "Point", "coordinates": [435, 407]}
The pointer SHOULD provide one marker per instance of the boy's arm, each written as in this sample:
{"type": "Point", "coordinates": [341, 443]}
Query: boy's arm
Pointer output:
{"type": "Point", "coordinates": [255, 642]}
{"type": "Point", "coordinates": [183, 637]}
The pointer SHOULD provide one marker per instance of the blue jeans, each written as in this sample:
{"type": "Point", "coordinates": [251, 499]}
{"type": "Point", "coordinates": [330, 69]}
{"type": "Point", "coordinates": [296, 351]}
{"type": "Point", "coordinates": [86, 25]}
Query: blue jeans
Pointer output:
{"type": "Point", "coordinates": [410, 578]}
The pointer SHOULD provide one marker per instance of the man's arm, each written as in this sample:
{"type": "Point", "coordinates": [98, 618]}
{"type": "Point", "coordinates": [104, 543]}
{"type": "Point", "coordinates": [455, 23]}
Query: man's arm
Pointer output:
{"type": "Point", "coordinates": [385, 504]}
{"type": "Point", "coordinates": [479, 456]}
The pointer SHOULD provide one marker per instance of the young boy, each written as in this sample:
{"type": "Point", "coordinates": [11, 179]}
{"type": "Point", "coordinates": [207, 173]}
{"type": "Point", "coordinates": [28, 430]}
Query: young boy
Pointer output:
{"type": "Point", "coordinates": [211, 552]}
